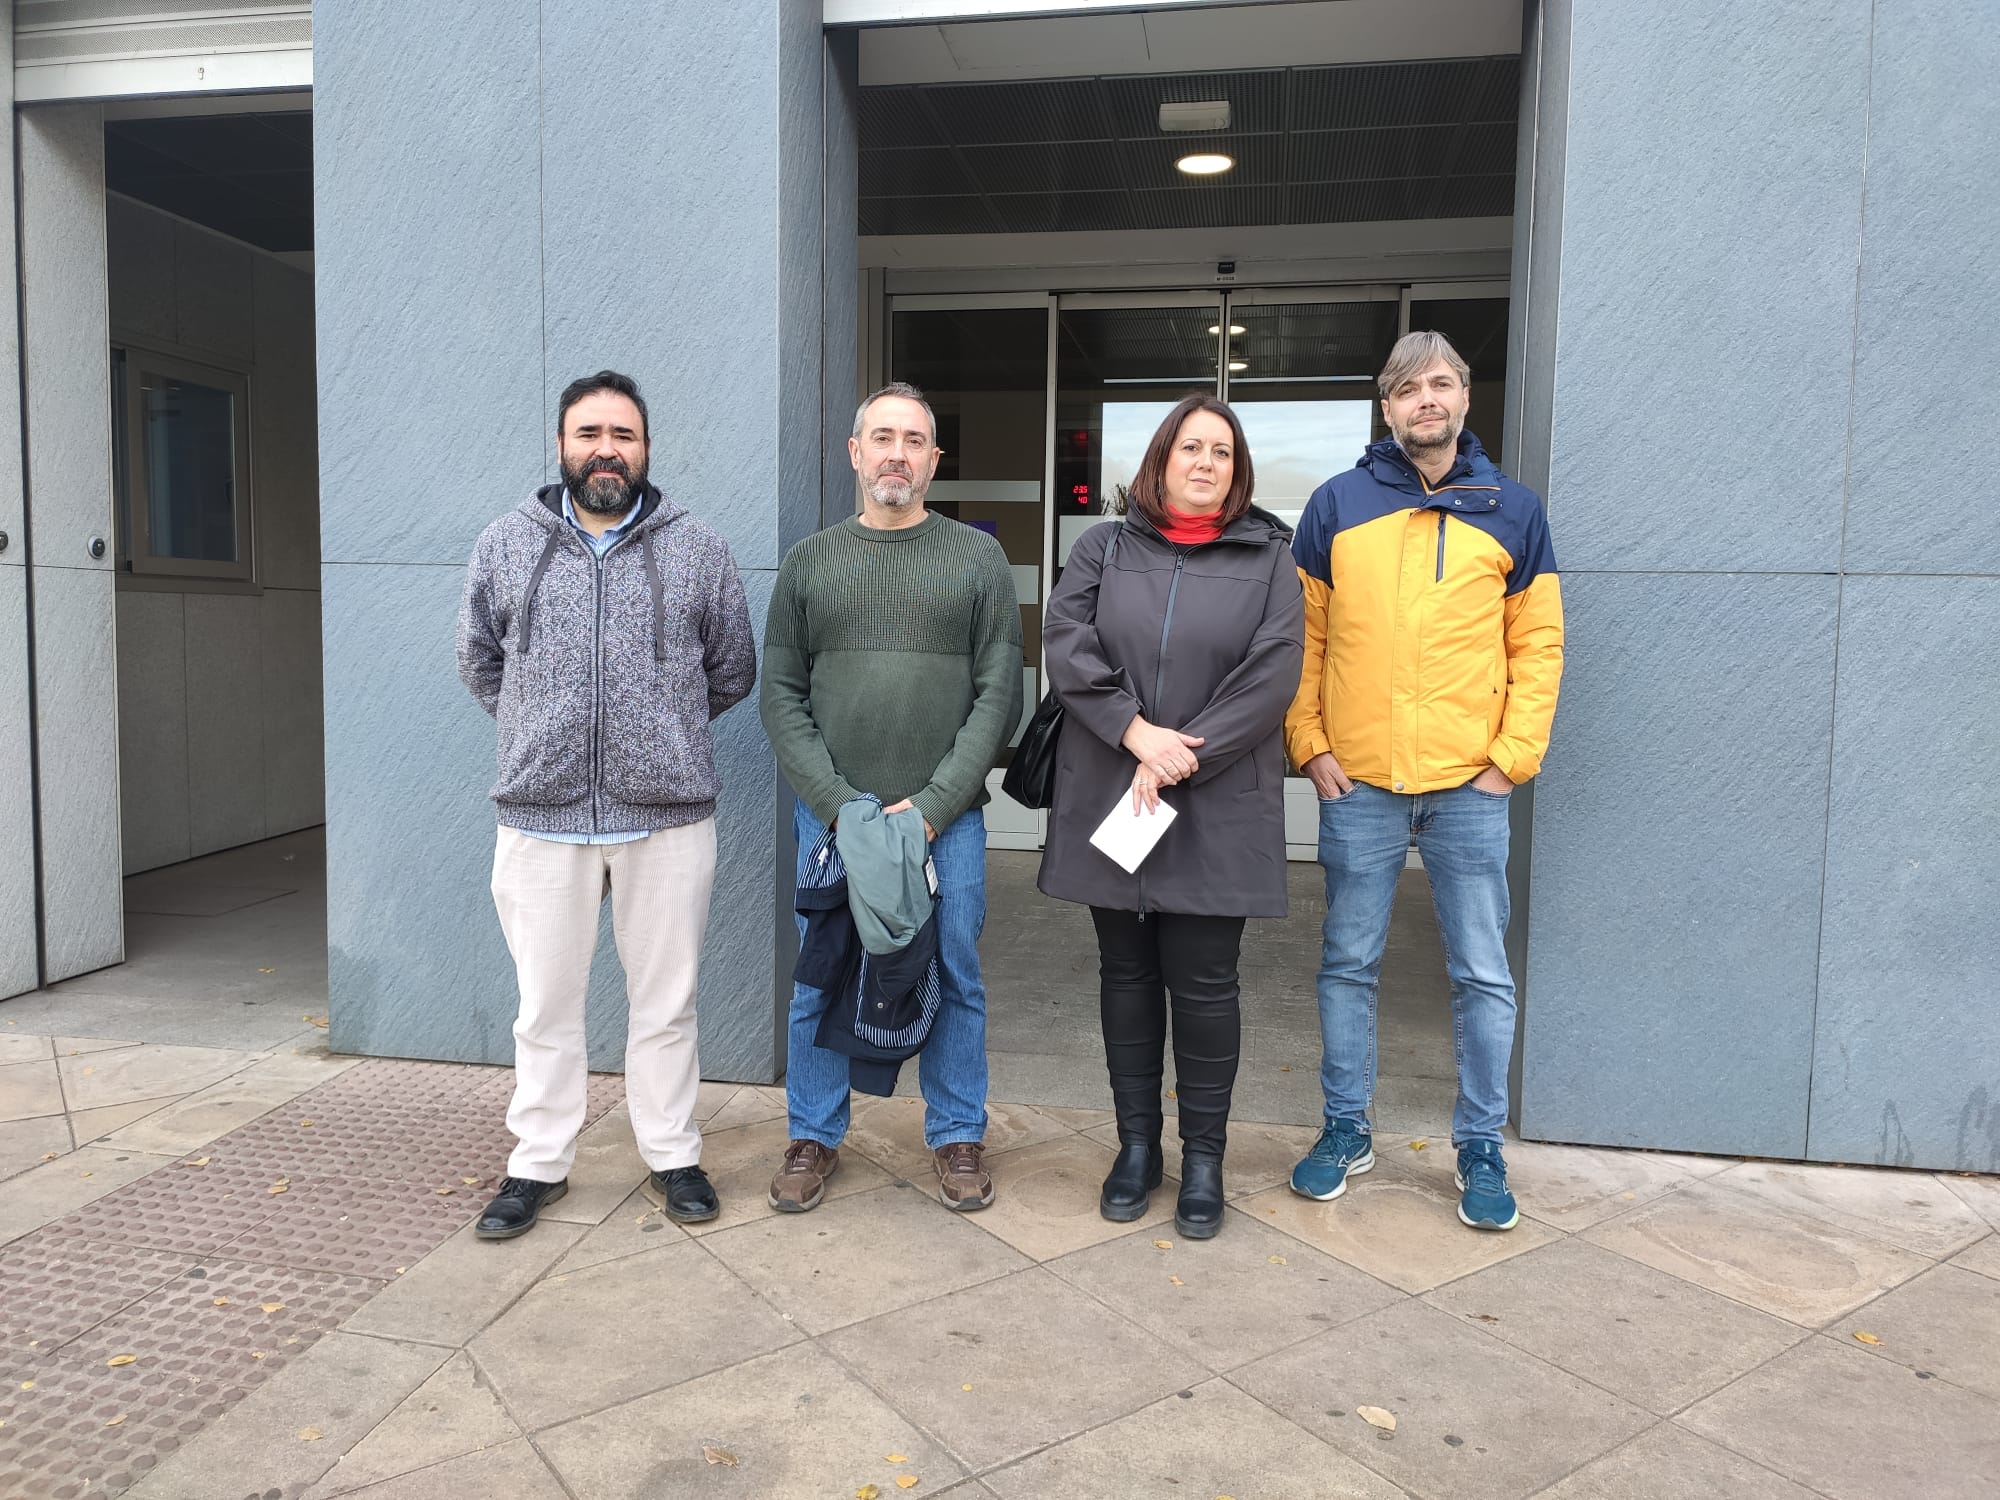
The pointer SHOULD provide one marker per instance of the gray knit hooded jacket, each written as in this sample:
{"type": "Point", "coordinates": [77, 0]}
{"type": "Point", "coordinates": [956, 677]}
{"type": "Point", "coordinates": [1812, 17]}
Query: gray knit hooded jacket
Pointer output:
{"type": "Point", "coordinates": [603, 673]}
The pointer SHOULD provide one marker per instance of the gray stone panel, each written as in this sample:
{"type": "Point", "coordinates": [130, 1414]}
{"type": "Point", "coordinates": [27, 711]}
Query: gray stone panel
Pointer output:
{"type": "Point", "coordinates": [225, 721]}
{"type": "Point", "coordinates": [1930, 284]}
{"type": "Point", "coordinates": [428, 250]}
{"type": "Point", "coordinates": [212, 305]}
{"type": "Point", "coordinates": [1537, 259]}
{"type": "Point", "coordinates": [139, 246]}
{"type": "Point", "coordinates": [17, 812]}
{"type": "Point", "coordinates": [1908, 1033]}
{"type": "Point", "coordinates": [1711, 214]}
{"type": "Point", "coordinates": [152, 730]}
{"type": "Point", "coordinates": [290, 699]}
{"type": "Point", "coordinates": [1679, 830]}
{"type": "Point", "coordinates": [76, 733]}
{"type": "Point", "coordinates": [840, 279]}
{"type": "Point", "coordinates": [284, 412]}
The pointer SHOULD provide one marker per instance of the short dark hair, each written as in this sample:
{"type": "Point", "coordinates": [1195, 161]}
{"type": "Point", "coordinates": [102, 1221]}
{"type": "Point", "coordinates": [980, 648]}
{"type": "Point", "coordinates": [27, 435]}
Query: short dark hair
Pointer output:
{"type": "Point", "coordinates": [1149, 485]}
{"type": "Point", "coordinates": [603, 380]}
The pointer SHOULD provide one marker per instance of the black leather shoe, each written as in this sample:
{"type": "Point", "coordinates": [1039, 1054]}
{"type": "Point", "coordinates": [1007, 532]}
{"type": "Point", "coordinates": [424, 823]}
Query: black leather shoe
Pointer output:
{"type": "Point", "coordinates": [685, 1193]}
{"type": "Point", "coordinates": [516, 1206]}
{"type": "Point", "coordinates": [1198, 1213]}
{"type": "Point", "coordinates": [1128, 1190]}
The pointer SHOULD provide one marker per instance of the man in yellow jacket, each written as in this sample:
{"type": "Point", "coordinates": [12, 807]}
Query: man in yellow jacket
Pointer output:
{"type": "Point", "coordinates": [1434, 644]}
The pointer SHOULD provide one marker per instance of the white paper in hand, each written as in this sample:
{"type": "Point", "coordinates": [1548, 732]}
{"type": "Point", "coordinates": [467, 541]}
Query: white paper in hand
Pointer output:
{"type": "Point", "coordinates": [1127, 837]}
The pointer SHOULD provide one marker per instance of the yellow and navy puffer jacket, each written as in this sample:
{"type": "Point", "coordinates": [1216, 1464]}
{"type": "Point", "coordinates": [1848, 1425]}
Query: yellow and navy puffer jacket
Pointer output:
{"type": "Point", "coordinates": [1434, 632]}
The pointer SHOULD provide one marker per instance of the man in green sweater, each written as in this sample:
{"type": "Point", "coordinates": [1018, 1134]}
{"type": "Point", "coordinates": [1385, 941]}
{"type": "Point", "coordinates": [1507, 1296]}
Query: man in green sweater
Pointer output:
{"type": "Point", "coordinates": [892, 668]}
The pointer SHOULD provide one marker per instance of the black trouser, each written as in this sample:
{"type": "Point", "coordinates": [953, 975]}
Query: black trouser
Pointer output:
{"type": "Point", "coordinates": [1140, 962]}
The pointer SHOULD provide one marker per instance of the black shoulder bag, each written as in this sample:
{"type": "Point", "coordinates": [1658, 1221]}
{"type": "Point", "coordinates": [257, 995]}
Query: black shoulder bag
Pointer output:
{"type": "Point", "coordinates": [1031, 774]}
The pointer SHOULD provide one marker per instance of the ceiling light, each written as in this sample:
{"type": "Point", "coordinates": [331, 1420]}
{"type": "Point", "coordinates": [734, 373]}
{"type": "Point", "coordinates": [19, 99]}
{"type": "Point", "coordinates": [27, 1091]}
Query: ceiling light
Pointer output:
{"type": "Point", "coordinates": [1234, 328]}
{"type": "Point", "coordinates": [1205, 163]}
{"type": "Point", "coordinates": [1236, 366]}
{"type": "Point", "coordinates": [1206, 114]}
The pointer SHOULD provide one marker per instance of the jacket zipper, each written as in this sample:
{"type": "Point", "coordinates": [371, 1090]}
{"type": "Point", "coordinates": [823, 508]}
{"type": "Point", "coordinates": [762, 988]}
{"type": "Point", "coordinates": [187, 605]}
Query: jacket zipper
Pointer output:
{"type": "Point", "coordinates": [596, 690]}
{"type": "Point", "coordinates": [1167, 624]}
{"type": "Point", "coordinates": [1440, 577]}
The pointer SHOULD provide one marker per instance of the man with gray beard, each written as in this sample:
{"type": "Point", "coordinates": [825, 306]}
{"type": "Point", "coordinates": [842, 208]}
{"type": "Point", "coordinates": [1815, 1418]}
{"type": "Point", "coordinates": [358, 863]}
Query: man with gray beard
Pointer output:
{"type": "Point", "coordinates": [603, 627]}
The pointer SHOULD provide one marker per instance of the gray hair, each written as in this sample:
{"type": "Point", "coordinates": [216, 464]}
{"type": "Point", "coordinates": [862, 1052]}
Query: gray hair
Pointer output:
{"type": "Point", "coordinates": [1415, 353]}
{"type": "Point", "coordinates": [907, 392]}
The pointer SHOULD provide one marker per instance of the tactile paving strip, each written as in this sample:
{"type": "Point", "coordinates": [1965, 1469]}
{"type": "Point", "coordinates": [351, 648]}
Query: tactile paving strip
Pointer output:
{"type": "Point", "coordinates": [358, 1227]}
{"type": "Point", "coordinates": [63, 1439]}
{"type": "Point", "coordinates": [195, 1210]}
{"type": "Point", "coordinates": [53, 1288]}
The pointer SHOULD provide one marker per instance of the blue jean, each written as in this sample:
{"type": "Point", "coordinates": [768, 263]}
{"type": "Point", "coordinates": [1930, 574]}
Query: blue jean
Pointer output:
{"type": "Point", "coordinates": [1364, 839]}
{"type": "Point", "coordinates": [951, 1069]}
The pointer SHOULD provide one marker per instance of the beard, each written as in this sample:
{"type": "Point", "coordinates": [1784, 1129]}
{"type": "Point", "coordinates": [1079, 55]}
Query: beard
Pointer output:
{"type": "Point", "coordinates": [893, 491]}
{"type": "Point", "coordinates": [603, 486]}
{"type": "Point", "coordinates": [1441, 442]}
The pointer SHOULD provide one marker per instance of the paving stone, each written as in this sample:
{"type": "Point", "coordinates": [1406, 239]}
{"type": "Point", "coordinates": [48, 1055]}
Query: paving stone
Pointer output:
{"type": "Point", "coordinates": [341, 1389]}
{"type": "Point", "coordinates": [1748, 1248]}
{"type": "Point", "coordinates": [742, 1161]}
{"type": "Point", "coordinates": [828, 1268]}
{"type": "Point", "coordinates": [1396, 1228]}
{"type": "Point", "coordinates": [451, 1414]}
{"type": "Point", "coordinates": [994, 1338]}
{"type": "Point", "coordinates": [21, 1046]}
{"type": "Point", "coordinates": [70, 1046]}
{"type": "Point", "coordinates": [177, 1128]}
{"type": "Point", "coordinates": [588, 1339]}
{"type": "Point", "coordinates": [1851, 1426]}
{"type": "Point", "coordinates": [64, 1438]}
{"type": "Point", "coordinates": [513, 1471]}
{"type": "Point", "coordinates": [1246, 1293]}
{"type": "Point", "coordinates": [177, 1206]}
{"type": "Point", "coordinates": [1639, 1333]}
{"type": "Point", "coordinates": [1671, 1463]}
{"type": "Point", "coordinates": [23, 1143]}
{"type": "Point", "coordinates": [1045, 1198]}
{"type": "Point", "coordinates": [799, 1426]}
{"type": "Point", "coordinates": [631, 1227]}
{"type": "Point", "coordinates": [30, 1089]}
{"type": "Point", "coordinates": [606, 1172]}
{"type": "Point", "coordinates": [57, 1188]}
{"type": "Point", "coordinates": [146, 1073]}
{"type": "Point", "coordinates": [1983, 1257]}
{"type": "Point", "coordinates": [1258, 1156]}
{"type": "Point", "coordinates": [95, 1124]}
{"type": "Point", "coordinates": [890, 1133]}
{"type": "Point", "coordinates": [1946, 1322]}
{"type": "Point", "coordinates": [710, 1097]}
{"type": "Point", "coordinates": [747, 1106]}
{"type": "Point", "coordinates": [1474, 1417]}
{"type": "Point", "coordinates": [463, 1285]}
{"type": "Point", "coordinates": [355, 1226]}
{"type": "Point", "coordinates": [1981, 1191]}
{"type": "Point", "coordinates": [57, 1287]}
{"type": "Point", "coordinates": [1077, 1119]}
{"type": "Point", "coordinates": [1910, 1209]}
{"type": "Point", "coordinates": [1570, 1187]}
{"type": "Point", "coordinates": [1209, 1440]}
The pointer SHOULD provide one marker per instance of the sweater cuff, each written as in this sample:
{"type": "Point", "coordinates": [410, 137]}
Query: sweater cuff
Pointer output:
{"type": "Point", "coordinates": [936, 808]}
{"type": "Point", "coordinates": [825, 802]}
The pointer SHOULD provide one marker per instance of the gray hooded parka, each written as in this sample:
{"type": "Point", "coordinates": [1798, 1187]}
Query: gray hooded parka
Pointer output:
{"type": "Point", "coordinates": [1208, 640]}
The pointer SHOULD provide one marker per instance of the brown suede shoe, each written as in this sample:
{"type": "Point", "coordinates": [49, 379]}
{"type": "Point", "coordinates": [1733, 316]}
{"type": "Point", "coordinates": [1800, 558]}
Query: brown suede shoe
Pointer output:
{"type": "Point", "coordinates": [801, 1181]}
{"type": "Point", "coordinates": [963, 1183]}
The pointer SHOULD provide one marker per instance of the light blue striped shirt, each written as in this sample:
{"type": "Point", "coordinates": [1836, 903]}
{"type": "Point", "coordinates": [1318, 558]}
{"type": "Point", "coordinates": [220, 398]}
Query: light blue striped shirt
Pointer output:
{"type": "Point", "coordinates": [599, 545]}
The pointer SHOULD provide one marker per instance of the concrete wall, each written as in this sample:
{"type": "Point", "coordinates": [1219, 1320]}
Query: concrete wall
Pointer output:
{"type": "Point", "coordinates": [19, 925]}
{"type": "Point", "coordinates": [1765, 851]}
{"type": "Point", "coordinates": [220, 732]}
{"type": "Point", "coordinates": [494, 219]}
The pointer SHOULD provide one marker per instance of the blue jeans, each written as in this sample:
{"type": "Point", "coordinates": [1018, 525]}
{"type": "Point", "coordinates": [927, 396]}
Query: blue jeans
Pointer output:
{"type": "Point", "coordinates": [1364, 839]}
{"type": "Point", "coordinates": [952, 1067]}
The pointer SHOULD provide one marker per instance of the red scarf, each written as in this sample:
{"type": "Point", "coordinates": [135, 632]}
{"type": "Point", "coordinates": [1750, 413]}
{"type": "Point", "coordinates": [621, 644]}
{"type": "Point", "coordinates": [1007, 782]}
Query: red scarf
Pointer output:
{"type": "Point", "coordinates": [1184, 530]}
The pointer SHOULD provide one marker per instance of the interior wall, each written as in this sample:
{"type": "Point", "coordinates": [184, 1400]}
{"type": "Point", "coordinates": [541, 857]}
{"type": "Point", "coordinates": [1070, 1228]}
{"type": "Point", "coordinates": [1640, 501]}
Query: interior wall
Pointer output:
{"type": "Point", "coordinates": [220, 725]}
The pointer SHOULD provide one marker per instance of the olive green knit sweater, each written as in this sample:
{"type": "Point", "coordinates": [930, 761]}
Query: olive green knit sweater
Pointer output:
{"type": "Point", "coordinates": [892, 665]}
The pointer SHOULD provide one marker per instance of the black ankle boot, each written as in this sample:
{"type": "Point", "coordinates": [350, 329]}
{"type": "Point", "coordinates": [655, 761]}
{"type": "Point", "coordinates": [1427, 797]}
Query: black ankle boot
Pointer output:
{"type": "Point", "coordinates": [1198, 1213]}
{"type": "Point", "coordinates": [1128, 1190]}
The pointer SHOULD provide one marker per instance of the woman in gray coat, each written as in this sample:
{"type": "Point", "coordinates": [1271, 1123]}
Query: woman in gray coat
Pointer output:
{"type": "Point", "coordinates": [1174, 641]}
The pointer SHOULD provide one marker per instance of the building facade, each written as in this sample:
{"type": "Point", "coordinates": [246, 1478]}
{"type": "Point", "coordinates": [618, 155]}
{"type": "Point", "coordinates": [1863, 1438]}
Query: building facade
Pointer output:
{"type": "Point", "coordinates": [1729, 275]}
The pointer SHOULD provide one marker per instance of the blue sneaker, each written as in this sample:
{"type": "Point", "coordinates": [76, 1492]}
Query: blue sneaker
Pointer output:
{"type": "Point", "coordinates": [1482, 1180]}
{"type": "Point", "coordinates": [1343, 1150]}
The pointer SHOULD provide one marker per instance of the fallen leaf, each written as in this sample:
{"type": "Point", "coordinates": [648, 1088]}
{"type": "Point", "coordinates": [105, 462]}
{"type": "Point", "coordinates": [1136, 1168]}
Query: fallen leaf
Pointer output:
{"type": "Point", "coordinates": [121, 1359]}
{"type": "Point", "coordinates": [472, 1181]}
{"type": "Point", "coordinates": [220, 1302]}
{"type": "Point", "coordinates": [1419, 1144]}
{"type": "Point", "coordinates": [718, 1455]}
{"type": "Point", "coordinates": [88, 1071]}
{"type": "Point", "coordinates": [401, 1269]}
{"type": "Point", "coordinates": [117, 1421]}
{"type": "Point", "coordinates": [310, 1434]}
{"type": "Point", "coordinates": [445, 1192]}
{"type": "Point", "coordinates": [276, 1188]}
{"type": "Point", "coordinates": [1277, 1260]}
{"type": "Point", "coordinates": [1867, 1338]}
{"type": "Point", "coordinates": [1176, 1281]}
{"type": "Point", "coordinates": [83, 1174]}
{"type": "Point", "coordinates": [305, 1124]}
{"type": "Point", "coordinates": [1163, 1244]}
{"type": "Point", "coordinates": [256, 1353]}
{"type": "Point", "coordinates": [1374, 1416]}
{"type": "Point", "coordinates": [50, 1155]}
{"type": "Point", "coordinates": [29, 1385]}
{"type": "Point", "coordinates": [962, 1388]}
{"type": "Point", "coordinates": [273, 1306]}
{"type": "Point", "coordinates": [267, 971]}
{"type": "Point", "coordinates": [868, 1492]}
{"type": "Point", "coordinates": [1284, 1067]}
{"type": "Point", "coordinates": [319, 1021]}
{"type": "Point", "coordinates": [1172, 1095]}
{"type": "Point", "coordinates": [906, 1481]}
{"type": "Point", "coordinates": [895, 1458]}
{"type": "Point", "coordinates": [199, 1161]}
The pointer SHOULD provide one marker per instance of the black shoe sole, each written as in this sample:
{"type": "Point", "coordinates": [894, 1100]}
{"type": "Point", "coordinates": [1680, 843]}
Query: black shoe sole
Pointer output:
{"type": "Point", "coordinates": [659, 1200]}
{"type": "Point", "coordinates": [1125, 1213]}
{"type": "Point", "coordinates": [555, 1196]}
{"type": "Point", "coordinates": [1192, 1231]}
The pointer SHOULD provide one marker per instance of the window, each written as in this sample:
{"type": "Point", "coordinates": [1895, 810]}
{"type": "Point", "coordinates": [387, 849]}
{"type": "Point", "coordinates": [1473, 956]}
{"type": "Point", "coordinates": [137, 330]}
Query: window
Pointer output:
{"type": "Point", "coordinates": [182, 461]}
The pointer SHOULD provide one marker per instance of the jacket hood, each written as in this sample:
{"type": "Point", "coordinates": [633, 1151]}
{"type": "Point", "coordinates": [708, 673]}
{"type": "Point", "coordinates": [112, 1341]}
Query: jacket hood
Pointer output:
{"type": "Point", "coordinates": [1388, 464]}
{"type": "Point", "coordinates": [544, 507]}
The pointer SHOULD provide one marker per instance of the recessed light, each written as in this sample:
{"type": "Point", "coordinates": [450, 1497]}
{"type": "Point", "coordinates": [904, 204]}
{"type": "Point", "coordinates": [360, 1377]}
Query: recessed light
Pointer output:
{"type": "Point", "coordinates": [1234, 328]}
{"type": "Point", "coordinates": [1205, 163]}
{"type": "Point", "coordinates": [1237, 366]}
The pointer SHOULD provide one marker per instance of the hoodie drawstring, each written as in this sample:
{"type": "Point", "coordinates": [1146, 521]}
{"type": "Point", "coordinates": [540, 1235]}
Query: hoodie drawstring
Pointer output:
{"type": "Point", "coordinates": [659, 598]}
{"type": "Point", "coordinates": [535, 582]}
